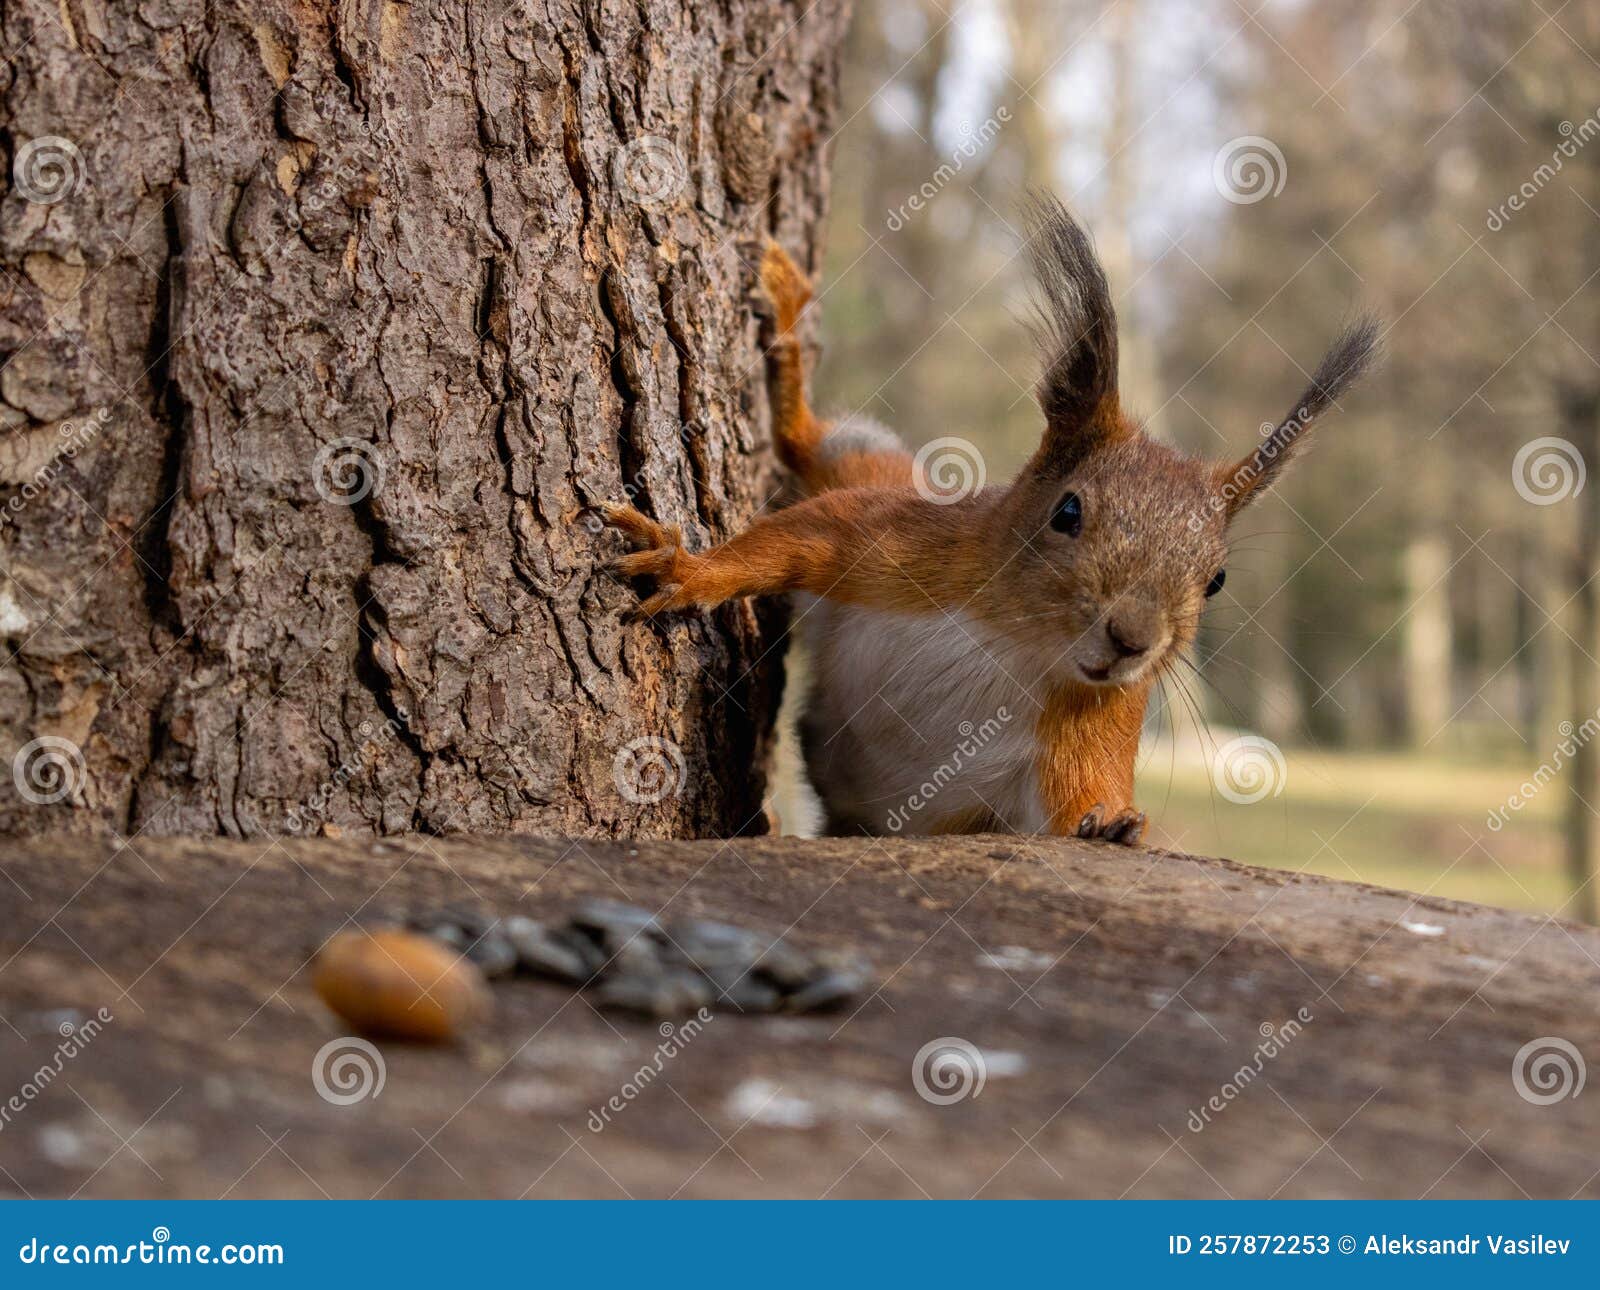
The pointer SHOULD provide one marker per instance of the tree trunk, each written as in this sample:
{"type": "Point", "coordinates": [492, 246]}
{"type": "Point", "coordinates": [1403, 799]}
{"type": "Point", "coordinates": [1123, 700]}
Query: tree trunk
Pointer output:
{"type": "Point", "coordinates": [1581, 418]}
{"type": "Point", "coordinates": [322, 327]}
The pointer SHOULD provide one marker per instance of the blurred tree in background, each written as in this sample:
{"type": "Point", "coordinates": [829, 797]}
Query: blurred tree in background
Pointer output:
{"type": "Point", "coordinates": [1419, 597]}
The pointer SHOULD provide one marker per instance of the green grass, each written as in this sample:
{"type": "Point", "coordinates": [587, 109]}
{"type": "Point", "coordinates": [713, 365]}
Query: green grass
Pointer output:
{"type": "Point", "coordinates": [1418, 822]}
{"type": "Point", "coordinates": [1414, 821]}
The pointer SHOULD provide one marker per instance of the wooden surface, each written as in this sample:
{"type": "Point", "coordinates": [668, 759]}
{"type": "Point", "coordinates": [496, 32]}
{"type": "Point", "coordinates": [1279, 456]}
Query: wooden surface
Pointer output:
{"type": "Point", "coordinates": [1130, 988]}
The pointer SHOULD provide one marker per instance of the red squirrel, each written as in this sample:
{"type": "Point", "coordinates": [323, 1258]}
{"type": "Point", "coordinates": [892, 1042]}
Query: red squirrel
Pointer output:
{"type": "Point", "coordinates": [983, 664]}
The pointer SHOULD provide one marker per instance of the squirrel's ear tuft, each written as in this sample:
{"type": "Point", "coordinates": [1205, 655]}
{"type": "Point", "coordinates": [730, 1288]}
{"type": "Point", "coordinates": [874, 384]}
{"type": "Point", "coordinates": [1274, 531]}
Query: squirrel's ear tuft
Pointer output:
{"type": "Point", "coordinates": [1358, 349]}
{"type": "Point", "coordinates": [1076, 325]}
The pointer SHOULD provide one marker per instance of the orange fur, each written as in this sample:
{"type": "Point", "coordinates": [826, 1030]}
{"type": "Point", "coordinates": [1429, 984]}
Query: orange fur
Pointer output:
{"type": "Point", "coordinates": [797, 433]}
{"type": "Point", "coordinates": [1024, 593]}
{"type": "Point", "coordinates": [862, 470]}
{"type": "Point", "coordinates": [876, 547]}
{"type": "Point", "coordinates": [1088, 743]}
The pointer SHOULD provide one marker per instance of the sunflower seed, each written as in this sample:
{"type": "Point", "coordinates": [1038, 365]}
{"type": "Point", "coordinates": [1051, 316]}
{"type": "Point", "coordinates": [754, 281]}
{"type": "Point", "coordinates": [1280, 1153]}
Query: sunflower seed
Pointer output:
{"type": "Point", "coordinates": [540, 952]}
{"type": "Point", "coordinates": [827, 991]}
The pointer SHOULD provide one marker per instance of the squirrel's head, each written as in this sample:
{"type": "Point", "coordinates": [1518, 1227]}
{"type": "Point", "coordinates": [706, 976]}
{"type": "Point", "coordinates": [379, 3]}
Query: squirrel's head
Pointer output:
{"type": "Point", "coordinates": [1117, 540]}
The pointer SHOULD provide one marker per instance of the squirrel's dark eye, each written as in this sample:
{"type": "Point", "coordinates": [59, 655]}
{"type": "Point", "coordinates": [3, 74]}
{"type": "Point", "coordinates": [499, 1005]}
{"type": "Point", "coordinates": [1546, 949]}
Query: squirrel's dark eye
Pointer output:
{"type": "Point", "coordinates": [1068, 516]}
{"type": "Point", "coordinates": [1217, 579]}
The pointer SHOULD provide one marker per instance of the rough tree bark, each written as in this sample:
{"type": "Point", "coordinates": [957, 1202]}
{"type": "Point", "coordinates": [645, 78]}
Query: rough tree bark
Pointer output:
{"type": "Point", "coordinates": [322, 325]}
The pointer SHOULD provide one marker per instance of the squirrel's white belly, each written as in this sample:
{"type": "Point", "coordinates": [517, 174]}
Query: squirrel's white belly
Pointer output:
{"type": "Point", "coordinates": [911, 719]}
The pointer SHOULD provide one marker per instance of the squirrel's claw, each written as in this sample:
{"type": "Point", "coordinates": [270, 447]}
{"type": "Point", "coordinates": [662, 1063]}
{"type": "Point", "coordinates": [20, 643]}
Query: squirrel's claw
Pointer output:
{"type": "Point", "coordinates": [1126, 828]}
{"type": "Point", "coordinates": [662, 558]}
{"type": "Point", "coordinates": [657, 563]}
{"type": "Point", "coordinates": [668, 598]}
{"type": "Point", "coordinates": [638, 527]}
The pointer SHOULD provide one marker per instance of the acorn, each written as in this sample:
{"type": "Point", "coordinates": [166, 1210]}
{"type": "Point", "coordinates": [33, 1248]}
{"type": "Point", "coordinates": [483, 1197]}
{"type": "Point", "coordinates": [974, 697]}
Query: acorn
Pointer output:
{"type": "Point", "coordinates": [396, 984]}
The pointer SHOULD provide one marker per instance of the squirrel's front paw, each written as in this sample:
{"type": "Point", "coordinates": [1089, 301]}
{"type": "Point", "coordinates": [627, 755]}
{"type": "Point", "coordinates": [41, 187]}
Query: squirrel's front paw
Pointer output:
{"type": "Point", "coordinates": [662, 557]}
{"type": "Point", "coordinates": [1126, 827]}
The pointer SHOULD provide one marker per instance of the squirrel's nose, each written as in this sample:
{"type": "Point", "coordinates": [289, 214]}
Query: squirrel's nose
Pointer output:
{"type": "Point", "coordinates": [1127, 639]}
